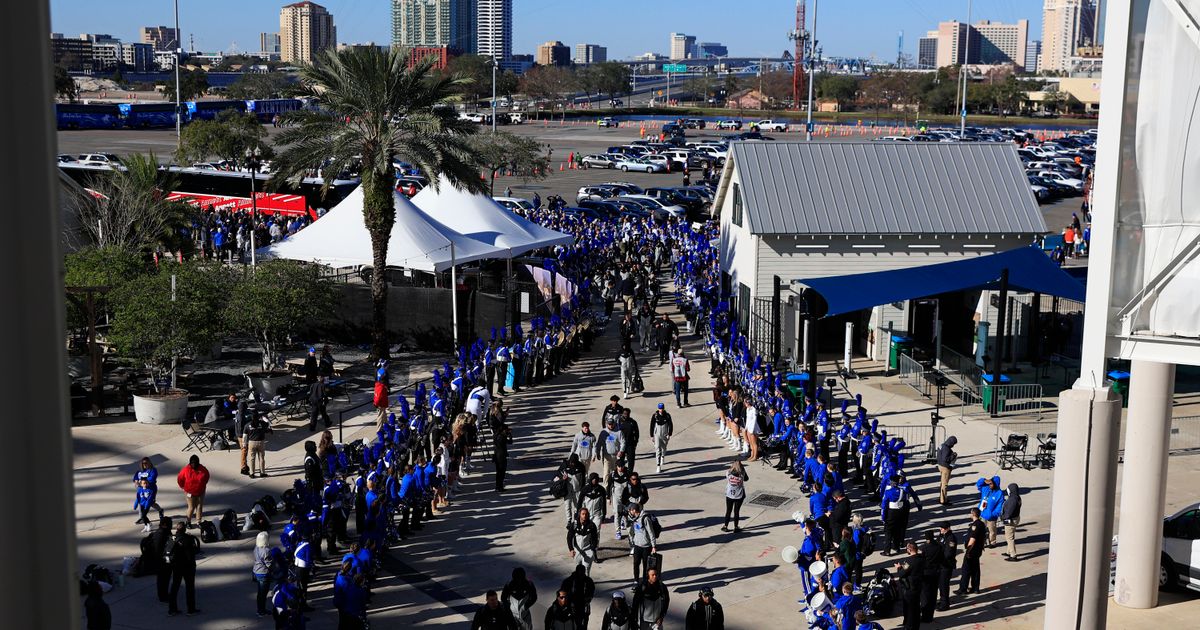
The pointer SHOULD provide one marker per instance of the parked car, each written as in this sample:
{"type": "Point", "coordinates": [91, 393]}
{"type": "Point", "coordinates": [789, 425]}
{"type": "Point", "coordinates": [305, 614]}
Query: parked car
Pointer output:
{"type": "Point", "coordinates": [607, 121]}
{"type": "Point", "coordinates": [516, 204]}
{"type": "Point", "coordinates": [608, 208]}
{"type": "Point", "coordinates": [895, 139]}
{"type": "Point", "coordinates": [660, 209]}
{"type": "Point", "coordinates": [623, 188]}
{"type": "Point", "coordinates": [516, 118]}
{"type": "Point", "coordinates": [771, 125]}
{"type": "Point", "coordinates": [1075, 184]}
{"type": "Point", "coordinates": [99, 159]}
{"type": "Point", "coordinates": [716, 154]}
{"type": "Point", "coordinates": [694, 123]}
{"type": "Point", "coordinates": [596, 193]}
{"type": "Point", "coordinates": [1180, 562]}
{"type": "Point", "coordinates": [598, 161]}
{"type": "Point", "coordinates": [730, 124]}
{"type": "Point", "coordinates": [640, 164]}
{"type": "Point", "coordinates": [473, 117]}
{"type": "Point", "coordinates": [661, 160]}
{"type": "Point", "coordinates": [66, 159]}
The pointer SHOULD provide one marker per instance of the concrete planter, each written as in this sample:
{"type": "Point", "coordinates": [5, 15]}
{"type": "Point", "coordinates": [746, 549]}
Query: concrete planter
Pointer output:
{"type": "Point", "coordinates": [169, 407]}
{"type": "Point", "coordinates": [267, 384]}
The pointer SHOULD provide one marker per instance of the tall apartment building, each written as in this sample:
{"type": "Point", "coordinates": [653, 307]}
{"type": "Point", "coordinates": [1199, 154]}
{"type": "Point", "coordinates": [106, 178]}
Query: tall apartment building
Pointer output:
{"type": "Point", "coordinates": [464, 37]}
{"type": "Point", "coordinates": [590, 53]}
{"type": "Point", "coordinates": [1033, 51]}
{"type": "Point", "coordinates": [1066, 25]}
{"type": "Point", "coordinates": [553, 53]}
{"type": "Point", "coordinates": [138, 57]}
{"type": "Point", "coordinates": [161, 37]}
{"type": "Point", "coordinates": [425, 23]}
{"type": "Point", "coordinates": [268, 42]}
{"type": "Point", "coordinates": [927, 48]}
{"type": "Point", "coordinates": [682, 46]}
{"type": "Point", "coordinates": [305, 29]}
{"type": "Point", "coordinates": [495, 28]}
{"type": "Point", "coordinates": [72, 53]}
{"type": "Point", "coordinates": [985, 42]}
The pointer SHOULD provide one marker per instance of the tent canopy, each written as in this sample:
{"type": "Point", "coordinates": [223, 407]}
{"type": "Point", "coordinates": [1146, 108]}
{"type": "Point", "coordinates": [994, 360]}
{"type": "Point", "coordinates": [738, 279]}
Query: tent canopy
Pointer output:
{"type": "Point", "coordinates": [1028, 268]}
{"type": "Point", "coordinates": [482, 219]}
{"type": "Point", "coordinates": [340, 239]}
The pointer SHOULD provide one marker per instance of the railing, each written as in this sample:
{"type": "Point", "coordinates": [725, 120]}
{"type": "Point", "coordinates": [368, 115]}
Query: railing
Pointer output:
{"type": "Point", "coordinates": [915, 375]}
{"type": "Point", "coordinates": [961, 370]}
{"type": "Point", "coordinates": [1185, 434]}
{"type": "Point", "coordinates": [920, 442]}
{"type": "Point", "coordinates": [998, 400]}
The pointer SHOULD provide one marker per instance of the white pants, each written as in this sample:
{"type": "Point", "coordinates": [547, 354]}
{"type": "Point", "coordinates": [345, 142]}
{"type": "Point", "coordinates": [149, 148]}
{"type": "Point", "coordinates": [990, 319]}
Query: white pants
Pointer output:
{"type": "Point", "coordinates": [586, 557]}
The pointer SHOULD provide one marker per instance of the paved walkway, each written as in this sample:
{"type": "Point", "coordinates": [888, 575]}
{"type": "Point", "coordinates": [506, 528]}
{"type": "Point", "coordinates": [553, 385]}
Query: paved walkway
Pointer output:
{"type": "Point", "coordinates": [438, 577]}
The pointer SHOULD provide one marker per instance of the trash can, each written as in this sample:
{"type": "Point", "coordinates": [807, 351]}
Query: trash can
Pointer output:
{"type": "Point", "coordinates": [797, 383]}
{"type": "Point", "coordinates": [900, 345]}
{"type": "Point", "coordinates": [996, 393]}
{"type": "Point", "coordinates": [1120, 385]}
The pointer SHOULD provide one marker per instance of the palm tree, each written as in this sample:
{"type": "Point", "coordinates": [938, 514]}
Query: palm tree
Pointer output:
{"type": "Point", "coordinates": [372, 109]}
{"type": "Point", "coordinates": [127, 208]}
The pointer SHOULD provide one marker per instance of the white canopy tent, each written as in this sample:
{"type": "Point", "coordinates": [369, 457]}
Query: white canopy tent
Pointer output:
{"type": "Point", "coordinates": [482, 219]}
{"type": "Point", "coordinates": [340, 239]}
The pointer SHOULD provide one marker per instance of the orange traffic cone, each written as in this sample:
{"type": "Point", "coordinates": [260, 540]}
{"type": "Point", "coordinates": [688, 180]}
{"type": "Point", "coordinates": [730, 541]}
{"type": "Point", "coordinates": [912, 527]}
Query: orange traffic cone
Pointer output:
{"type": "Point", "coordinates": [561, 167]}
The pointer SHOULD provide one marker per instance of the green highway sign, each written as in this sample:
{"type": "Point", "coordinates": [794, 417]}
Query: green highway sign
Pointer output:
{"type": "Point", "coordinates": [674, 67]}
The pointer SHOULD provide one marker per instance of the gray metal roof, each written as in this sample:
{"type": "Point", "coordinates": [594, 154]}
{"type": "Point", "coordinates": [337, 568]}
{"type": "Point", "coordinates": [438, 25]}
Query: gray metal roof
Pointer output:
{"type": "Point", "coordinates": [885, 188]}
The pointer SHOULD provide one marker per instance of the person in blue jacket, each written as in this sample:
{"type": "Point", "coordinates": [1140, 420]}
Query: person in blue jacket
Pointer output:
{"type": "Point", "coordinates": [810, 551]}
{"type": "Point", "coordinates": [784, 439]}
{"type": "Point", "coordinates": [142, 503]}
{"type": "Point", "coordinates": [991, 504]}
{"type": "Point", "coordinates": [896, 500]}
{"type": "Point", "coordinates": [148, 473]}
{"type": "Point", "coordinates": [350, 598]}
{"type": "Point", "coordinates": [285, 607]}
{"type": "Point", "coordinates": [846, 605]}
{"type": "Point", "coordinates": [818, 508]}
{"type": "Point", "coordinates": [838, 574]}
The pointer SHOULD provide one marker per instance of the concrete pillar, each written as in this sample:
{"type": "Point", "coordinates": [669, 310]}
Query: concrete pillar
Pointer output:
{"type": "Point", "coordinates": [43, 595]}
{"type": "Point", "coordinates": [849, 352]}
{"type": "Point", "coordinates": [1083, 504]}
{"type": "Point", "coordinates": [1144, 483]}
{"type": "Point", "coordinates": [807, 358]}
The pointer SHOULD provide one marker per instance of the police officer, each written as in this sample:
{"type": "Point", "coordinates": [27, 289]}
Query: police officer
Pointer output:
{"type": "Point", "coordinates": [946, 570]}
{"type": "Point", "coordinates": [502, 358]}
{"type": "Point", "coordinates": [911, 572]}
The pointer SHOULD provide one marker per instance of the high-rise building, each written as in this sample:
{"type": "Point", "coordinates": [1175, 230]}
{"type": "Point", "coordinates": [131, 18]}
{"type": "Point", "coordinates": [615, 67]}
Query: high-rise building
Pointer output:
{"type": "Point", "coordinates": [138, 57]}
{"type": "Point", "coordinates": [1001, 43]}
{"type": "Point", "coordinates": [985, 42]}
{"type": "Point", "coordinates": [268, 42]}
{"type": "Point", "coordinates": [553, 53]}
{"type": "Point", "coordinates": [1033, 51]}
{"type": "Point", "coordinates": [425, 23]}
{"type": "Point", "coordinates": [927, 48]}
{"type": "Point", "coordinates": [1066, 25]}
{"type": "Point", "coordinates": [682, 46]}
{"type": "Point", "coordinates": [590, 53]}
{"type": "Point", "coordinates": [711, 49]}
{"type": "Point", "coordinates": [305, 29]}
{"type": "Point", "coordinates": [494, 28]}
{"type": "Point", "coordinates": [463, 26]}
{"type": "Point", "coordinates": [72, 53]}
{"type": "Point", "coordinates": [161, 37]}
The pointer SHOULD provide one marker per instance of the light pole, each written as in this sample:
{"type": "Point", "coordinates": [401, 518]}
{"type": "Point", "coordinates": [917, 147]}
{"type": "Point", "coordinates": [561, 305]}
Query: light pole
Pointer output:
{"type": "Point", "coordinates": [253, 162]}
{"type": "Point", "coordinates": [812, 72]}
{"type": "Point", "coordinates": [493, 95]}
{"type": "Point", "coordinates": [962, 127]}
{"type": "Point", "coordinates": [178, 108]}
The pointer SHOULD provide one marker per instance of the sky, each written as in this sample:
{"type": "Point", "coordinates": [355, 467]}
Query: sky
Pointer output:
{"type": "Point", "coordinates": [750, 28]}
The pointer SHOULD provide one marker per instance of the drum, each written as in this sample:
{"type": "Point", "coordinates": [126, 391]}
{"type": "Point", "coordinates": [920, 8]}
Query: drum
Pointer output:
{"type": "Point", "coordinates": [819, 603]}
{"type": "Point", "coordinates": [818, 569]}
{"type": "Point", "coordinates": [790, 554]}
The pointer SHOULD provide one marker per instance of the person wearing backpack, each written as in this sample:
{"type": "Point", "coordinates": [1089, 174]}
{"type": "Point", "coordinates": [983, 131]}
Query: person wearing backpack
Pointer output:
{"type": "Point", "coordinates": [594, 499]}
{"type": "Point", "coordinates": [180, 554]}
{"type": "Point", "coordinates": [154, 556]}
{"type": "Point", "coordinates": [864, 544]}
{"type": "Point", "coordinates": [617, 616]}
{"type": "Point", "coordinates": [573, 471]}
{"type": "Point", "coordinates": [584, 445]}
{"type": "Point", "coordinates": [643, 540]}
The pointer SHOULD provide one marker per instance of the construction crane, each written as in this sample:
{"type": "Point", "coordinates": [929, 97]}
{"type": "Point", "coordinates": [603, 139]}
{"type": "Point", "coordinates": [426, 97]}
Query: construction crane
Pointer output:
{"type": "Point", "coordinates": [800, 37]}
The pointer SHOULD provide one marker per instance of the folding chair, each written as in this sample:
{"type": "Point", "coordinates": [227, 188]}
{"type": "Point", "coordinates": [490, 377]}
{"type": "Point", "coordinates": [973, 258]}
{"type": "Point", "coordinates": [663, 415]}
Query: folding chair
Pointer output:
{"type": "Point", "coordinates": [196, 438]}
{"type": "Point", "coordinates": [1012, 454]}
{"type": "Point", "coordinates": [1047, 445]}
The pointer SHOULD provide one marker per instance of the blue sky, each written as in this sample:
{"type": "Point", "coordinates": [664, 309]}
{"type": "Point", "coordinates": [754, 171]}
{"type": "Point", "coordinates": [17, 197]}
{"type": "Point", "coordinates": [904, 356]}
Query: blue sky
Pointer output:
{"type": "Point", "coordinates": [627, 27]}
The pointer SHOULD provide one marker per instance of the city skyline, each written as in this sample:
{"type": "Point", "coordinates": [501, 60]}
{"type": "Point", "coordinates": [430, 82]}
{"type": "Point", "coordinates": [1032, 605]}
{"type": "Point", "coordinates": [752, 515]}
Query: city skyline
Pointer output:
{"type": "Point", "coordinates": [625, 27]}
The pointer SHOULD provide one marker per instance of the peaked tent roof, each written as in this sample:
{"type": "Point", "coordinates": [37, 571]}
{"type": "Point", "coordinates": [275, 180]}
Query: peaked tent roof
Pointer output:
{"type": "Point", "coordinates": [885, 188]}
{"type": "Point", "coordinates": [340, 239]}
{"type": "Point", "coordinates": [1028, 269]}
{"type": "Point", "coordinates": [482, 219]}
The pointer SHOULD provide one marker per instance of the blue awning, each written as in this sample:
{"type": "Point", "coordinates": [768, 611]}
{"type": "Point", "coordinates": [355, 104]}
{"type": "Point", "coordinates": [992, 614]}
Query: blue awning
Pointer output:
{"type": "Point", "coordinates": [1029, 269]}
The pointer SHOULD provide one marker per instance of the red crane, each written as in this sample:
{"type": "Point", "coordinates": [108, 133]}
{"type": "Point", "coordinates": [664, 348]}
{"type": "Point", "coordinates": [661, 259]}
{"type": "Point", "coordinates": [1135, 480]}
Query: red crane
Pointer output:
{"type": "Point", "coordinates": [800, 37]}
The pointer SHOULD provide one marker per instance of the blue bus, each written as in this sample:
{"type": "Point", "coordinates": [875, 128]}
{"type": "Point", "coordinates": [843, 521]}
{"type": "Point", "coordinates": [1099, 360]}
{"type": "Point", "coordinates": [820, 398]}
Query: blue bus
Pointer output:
{"type": "Point", "coordinates": [208, 110]}
{"type": "Point", "coordinates": [267, 109]}
{"type": "Point", "coordinates": [80, 116]}
{"type": "Point", "coordinates": [147, 115]}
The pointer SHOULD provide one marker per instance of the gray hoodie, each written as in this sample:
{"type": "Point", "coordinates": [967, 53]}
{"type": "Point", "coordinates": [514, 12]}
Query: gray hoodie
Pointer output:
{"type": "Point", "coordinates": [612, 442]}
{"type": "Point", "coordinates": [641, 535]}
{"type": "Point", "coordinates": [584, 446]}
{"type": "Point", "coordinates": [1012, 504]}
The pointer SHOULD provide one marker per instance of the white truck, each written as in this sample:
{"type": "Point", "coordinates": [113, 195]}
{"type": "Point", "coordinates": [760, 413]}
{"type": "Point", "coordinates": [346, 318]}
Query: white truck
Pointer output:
{"type": "Point", "coordinates": [771, 125]}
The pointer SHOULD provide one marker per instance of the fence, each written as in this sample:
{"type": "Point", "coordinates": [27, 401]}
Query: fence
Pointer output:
{"type": "Point", "coordinates": [762, 328]}
{"type": "Point", "coordinates": [1185, 434]}
{"type": "Point", "coordinates": [961, 369]}
{"type": "Point", "coordinates": [920, 442]}
{"type": "Point", "coordinates": [999, 400]}
{"type": "Point", "coordinates": [915, 375]}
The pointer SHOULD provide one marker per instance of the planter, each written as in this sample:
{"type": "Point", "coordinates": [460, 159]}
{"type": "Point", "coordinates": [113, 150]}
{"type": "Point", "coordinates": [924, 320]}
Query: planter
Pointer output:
{"type": "Point", "coordinates": [267, 384]}
{"type": "Point", "coordinates": [168, 407]}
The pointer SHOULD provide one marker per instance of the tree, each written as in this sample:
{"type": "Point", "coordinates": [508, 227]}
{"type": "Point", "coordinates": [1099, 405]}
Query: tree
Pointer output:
{"type": "Point", "coordinates": [837, 87]}
{"type": "Point", "coordinates": [154, 328]}
{"type": "Point", "coordinates": [258, 85]}
{"type": "Point", "coordinates": [274, 301]}
{"type": "Point", "coordinates": [612, 78]}
{"type": "Point", "coordinates": [700, 87]}
{"type": "Point", "coordinates": [372, 109]}
{"type": "Point", "coordinates": [550, 83]}
{"type": "Point", "coordinates": [777, 86]}
{"type": "Point", "coordinates": [129, 210]}
{"type": "Point", "coordinates": [64, 85]}
{"type": "Point", "coordinates": [110, 267]}
{"type": "Point", "coordinates": [192, 84]}
{"type": "Point", "coordinates": [524, 156]}
{"type": "Point", "coordinates": [226, 137]}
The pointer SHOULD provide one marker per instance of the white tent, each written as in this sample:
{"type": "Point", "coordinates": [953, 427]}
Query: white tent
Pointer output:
{"type": "Point", "coordinates": [482, 219]}
{"type": "Point", "coordinates": [340, 239]}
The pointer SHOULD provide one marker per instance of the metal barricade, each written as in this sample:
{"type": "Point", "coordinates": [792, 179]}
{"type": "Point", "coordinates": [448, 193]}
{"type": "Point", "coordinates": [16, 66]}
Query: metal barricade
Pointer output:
{"type": "Point", "coordinates": [1000, 400]}
{"type": "Point", "coordinates": [920, 441]}
{"type": "Point", "coordinates": [1185, 435]}
{"type": "Point", "coordinates": [960, 369]}
{"type": "Point", "coordinates": [915, 375]}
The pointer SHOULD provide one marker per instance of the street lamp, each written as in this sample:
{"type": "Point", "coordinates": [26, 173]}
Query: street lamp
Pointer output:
{"type": "Point", "coordinates": [813, 51]}
{"type": "Point", "coordinates": [493, 60]}
{"type": "Point", "coordinates": [253, 161]}
{"type": "Point", "coordinates": [962, 128]}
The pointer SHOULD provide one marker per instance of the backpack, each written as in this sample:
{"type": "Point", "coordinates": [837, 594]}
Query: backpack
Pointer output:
{"type": "Point", "coordinates": [268, 504]}
{"type": "Point", "coordinates": [654, 525]}
{"type": "Point", "coordinates": [229, 529]}
{"type": "Point", "coordinates": [208, 532]}
{"type": "Point", "coordinates": [257, 520]}
{"type": "Point", "coordinates": [866, 545]}
{"type": "Point", "coordinates": [558, 487]}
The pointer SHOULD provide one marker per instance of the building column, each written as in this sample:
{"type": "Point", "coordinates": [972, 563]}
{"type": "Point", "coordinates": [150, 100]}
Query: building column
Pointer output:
{"type": "Point", "coordinates": [1083, 504]}
{"type": "Point", "coordinates": [1144, 483]}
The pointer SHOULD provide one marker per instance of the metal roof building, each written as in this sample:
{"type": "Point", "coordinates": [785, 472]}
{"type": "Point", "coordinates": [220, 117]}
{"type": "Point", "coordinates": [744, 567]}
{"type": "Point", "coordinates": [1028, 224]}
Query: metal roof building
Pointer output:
{"type": "Point", "coordinates": [797, 210]}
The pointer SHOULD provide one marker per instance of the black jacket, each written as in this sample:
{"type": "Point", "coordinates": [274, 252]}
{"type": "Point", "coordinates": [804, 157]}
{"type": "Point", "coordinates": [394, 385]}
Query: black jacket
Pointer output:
{"type": "Point", "coordinates": [580, 589]}
{"type": "Point", "coordinates": [839, 515]}
{"type": "Point", "coordinates": [698, 618]}
{"type": "Point", "coordinates": [912, 573]}
{"type": "Point", "coordinates": [620, 615]}
{"type": "Point", "coordinates": [629, 429]}
{"type": "Point", "coordinates": [183, 549]}
{"type": "Point", "coordinates": [499, 618]}
{"type": "Point", "coordinates": [946, 454]}
{"type": "Point", "coordinates": [564, 614]}
{"type": "Point", "coordinates": [99, 617]}
{"type": "Point", "coordinates": [587, 529]}
{"type": "Point", "coordinates": [1012, 504]}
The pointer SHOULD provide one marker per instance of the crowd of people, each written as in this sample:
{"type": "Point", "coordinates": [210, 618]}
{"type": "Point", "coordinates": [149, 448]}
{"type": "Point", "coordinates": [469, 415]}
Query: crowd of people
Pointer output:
{"type": "Point", "coordinates": [225, 234]}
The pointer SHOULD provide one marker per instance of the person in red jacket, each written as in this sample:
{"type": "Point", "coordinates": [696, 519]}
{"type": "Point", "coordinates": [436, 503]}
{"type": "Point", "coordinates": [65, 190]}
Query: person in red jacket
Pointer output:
{"type": "Point", "coordinates": [193, 480]}
{"type": "Point", "coordinates": [381, 402]}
